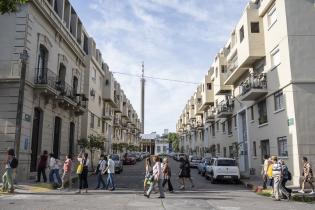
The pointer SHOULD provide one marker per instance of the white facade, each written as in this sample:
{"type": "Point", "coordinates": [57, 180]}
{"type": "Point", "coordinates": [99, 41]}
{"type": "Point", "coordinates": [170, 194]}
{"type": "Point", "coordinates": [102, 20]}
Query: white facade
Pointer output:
{"type": "Point", "coordinates": [263, 84]}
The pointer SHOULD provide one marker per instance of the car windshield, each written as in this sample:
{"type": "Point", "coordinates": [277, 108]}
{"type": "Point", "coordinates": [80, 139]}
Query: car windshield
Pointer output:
{"type": "Point", "coordinates": [115, 157]}
{"type": "Point", "coordinates": [226, 163]}
{"type": "Point", "coordinates": [131, 155]}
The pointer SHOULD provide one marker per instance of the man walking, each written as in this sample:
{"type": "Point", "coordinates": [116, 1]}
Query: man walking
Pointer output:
{"type": "Point", "coordinates": [277, 174]}
{"type": "Point", "coordinates": [110, 173]}
{"type": "Point", "coordinates": [264, 171]}
{"type": "Point", "coordinates": [100, 168]}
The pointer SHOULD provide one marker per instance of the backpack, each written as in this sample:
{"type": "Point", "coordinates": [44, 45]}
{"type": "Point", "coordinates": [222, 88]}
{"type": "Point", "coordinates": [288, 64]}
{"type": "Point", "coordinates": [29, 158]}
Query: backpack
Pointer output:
{"type": "Point", "coordinates": [289, 175]}
{"type": "Point", "coordinates": [14, 163]}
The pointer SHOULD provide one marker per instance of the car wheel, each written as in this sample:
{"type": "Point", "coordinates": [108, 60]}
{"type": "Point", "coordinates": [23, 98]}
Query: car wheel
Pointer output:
{"type": "Point", "coordinates": [212, 180]}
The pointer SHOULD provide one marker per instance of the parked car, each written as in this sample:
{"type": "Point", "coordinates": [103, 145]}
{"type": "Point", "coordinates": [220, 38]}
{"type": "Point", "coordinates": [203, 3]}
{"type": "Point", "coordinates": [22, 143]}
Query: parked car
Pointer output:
{"type": "Point", "coordinates": [194, 161]}
{"type": "Point", "coordinates": [202, 165]}
{"type": "Point", "coordinates": [223, 169]}
{"type": "Point", "coordinates": [129, 159]}
{"type": "Point", "coordinates": [118, 163]}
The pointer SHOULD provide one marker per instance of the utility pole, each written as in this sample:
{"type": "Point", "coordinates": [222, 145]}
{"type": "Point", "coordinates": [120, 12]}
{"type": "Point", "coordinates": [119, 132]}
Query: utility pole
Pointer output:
{"type": "Point", "coordinates": [142, 98]}
{"type": "Point", "coordinates": [19, 114]}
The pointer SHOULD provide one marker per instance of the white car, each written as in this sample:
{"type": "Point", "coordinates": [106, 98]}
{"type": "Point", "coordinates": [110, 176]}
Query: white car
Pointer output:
{"type": "Point", "coordinates": [223, 169]}
{"type": "Point", "coordinates": [194, 161]}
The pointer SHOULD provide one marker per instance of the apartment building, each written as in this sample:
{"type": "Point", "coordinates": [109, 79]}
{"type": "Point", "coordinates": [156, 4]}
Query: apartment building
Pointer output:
{"type": "Point", "coordinates": [263, 86]}
{"type": "Point", "coordinates": [69, 92]}
{"type": "Point", "coordinates": [53, 102]}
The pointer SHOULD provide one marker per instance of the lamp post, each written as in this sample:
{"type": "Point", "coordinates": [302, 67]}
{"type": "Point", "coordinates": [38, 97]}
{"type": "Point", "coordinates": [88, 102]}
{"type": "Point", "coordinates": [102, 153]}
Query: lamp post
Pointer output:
{"type": "Point", "coordinates": [19, 114]}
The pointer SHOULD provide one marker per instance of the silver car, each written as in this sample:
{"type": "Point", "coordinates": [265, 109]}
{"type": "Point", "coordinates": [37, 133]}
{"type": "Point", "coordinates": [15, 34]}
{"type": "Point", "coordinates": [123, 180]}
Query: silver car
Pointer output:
{"type": "Point", "coordinates": [118, 163]}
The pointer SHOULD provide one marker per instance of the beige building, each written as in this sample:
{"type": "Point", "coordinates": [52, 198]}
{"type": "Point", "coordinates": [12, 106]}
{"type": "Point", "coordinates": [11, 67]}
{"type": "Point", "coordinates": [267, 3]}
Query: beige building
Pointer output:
{"type": "Point", "coordinates": [69, 91]}
{"type": "Point", "coordinates": [263, 85]}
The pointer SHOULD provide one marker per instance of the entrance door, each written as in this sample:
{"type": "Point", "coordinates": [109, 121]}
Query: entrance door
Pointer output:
{"type": "Point", "coordinates": [57, 133]}
{"type": "Point", "coordinates": [265, 149]}
{"type": "Point", "coordinates": [71, 138]}
{"type": "Point", "coordinates": [35, 138]}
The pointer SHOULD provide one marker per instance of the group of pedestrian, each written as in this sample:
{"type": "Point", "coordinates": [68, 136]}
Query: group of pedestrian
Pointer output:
{"type": "Point", "coordinates": [159, 174]}
{"type": "Point", "coordinates": [276, 172]}
{"type": "Point", "coordinates": [105, 166]}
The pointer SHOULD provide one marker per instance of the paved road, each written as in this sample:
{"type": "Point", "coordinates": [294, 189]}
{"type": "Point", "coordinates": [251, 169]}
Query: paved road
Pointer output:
{"type": "Point", "coordinates": [129, 196]}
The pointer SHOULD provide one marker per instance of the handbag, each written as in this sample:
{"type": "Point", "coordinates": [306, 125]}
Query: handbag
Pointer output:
{"type": "Point", "coordinates": [80, 168]}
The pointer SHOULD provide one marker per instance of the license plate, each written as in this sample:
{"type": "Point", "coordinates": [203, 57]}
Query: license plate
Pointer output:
{"type": "Point", "coordinates": [227, 177]}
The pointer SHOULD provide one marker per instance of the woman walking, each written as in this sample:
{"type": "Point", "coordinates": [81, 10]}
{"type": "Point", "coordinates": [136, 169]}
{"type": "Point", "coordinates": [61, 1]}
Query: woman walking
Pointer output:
{"type": "Point", "coordinates": [184, 172]}
{"type": "Point", "coordinates": [83, 173]}
{"type": "Point", "coordinates": [308, 176]}
{"type": "Point", "coordinates": [7, 181]}
{"type": "Point", "coordinates": [148, 174]}
{"type": "Point", "coordinates": [99, 172]}
{"type": "Point", "coordinates": [66, 176]}
{"type": "Point", "coordinates": [158, 176]}
{"type": "Point", "coordinates": [167, 175]}
{"type": "Point", "coordinates": [42, 165]}
{"type": "Point", "coordinates": [54, 170]}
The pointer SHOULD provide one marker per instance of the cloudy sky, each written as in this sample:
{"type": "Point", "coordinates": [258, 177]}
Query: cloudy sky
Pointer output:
{"type": "Point", "coordinates": [176, 39]}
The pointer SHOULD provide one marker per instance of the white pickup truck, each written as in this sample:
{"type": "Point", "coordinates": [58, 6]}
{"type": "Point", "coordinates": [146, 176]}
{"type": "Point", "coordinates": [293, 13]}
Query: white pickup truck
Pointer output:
{"type": "Point", "coordinates": [223, 169]}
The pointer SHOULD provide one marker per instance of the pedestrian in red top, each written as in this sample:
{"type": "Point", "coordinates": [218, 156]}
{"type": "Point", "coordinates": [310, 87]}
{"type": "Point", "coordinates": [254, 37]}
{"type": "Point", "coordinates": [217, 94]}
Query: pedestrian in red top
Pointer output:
{"type": "Point", "coordinates": [42, 165]}
{"type": "Point", "coordinates": [66, 176]}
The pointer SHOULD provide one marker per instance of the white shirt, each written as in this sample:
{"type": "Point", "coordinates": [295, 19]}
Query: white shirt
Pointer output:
{"type": "Point", "coordinates": [157, 171]}
{"type": "Point", "coordinates": [86, 163]}
{"type": "Point", "coordinates": [53, 163]}
{"type": "Point", "coordinates": [111, 166]}
{"type": "Point", "coordinates": [102, 165]}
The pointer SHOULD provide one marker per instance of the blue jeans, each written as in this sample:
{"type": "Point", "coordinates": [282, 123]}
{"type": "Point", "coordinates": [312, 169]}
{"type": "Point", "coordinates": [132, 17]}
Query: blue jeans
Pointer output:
{"type": "Point", "coordinates": [100, 180]}
{"type": "Point", "coordinates": [51, 176]}
{"type": "Point", "coordinates": [110, 180]}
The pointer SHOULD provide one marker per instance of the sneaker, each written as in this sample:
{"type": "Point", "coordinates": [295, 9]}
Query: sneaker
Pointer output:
{"type": "Point", "coordinates": [60, 188]}
{"type": "Point", "coordinates": [312, 193]}
{"type": "Point", "coordinates": [301, 191]}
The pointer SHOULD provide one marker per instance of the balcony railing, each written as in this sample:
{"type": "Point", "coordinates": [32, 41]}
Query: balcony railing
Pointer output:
{"type": "Point", "coordinates": [45, 76]}
{"type": "Point", "coordinates": [253, 82]}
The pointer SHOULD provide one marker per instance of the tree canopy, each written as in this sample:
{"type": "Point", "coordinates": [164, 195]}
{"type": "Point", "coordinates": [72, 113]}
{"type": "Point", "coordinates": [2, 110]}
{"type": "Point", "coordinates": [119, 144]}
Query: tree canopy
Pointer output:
{"type": "Point", "coordinates": [173, 139]}
{"type": "Point", "coordinates": [9, 6]}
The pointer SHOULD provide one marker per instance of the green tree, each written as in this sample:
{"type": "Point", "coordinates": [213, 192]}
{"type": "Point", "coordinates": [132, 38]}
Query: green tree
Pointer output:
{"type": "Point", "coordinates": [9, 6]}
{"type": "Point", "coordinates": [173, 139]}
{"type": "Point", "coordinates": [93, 143]}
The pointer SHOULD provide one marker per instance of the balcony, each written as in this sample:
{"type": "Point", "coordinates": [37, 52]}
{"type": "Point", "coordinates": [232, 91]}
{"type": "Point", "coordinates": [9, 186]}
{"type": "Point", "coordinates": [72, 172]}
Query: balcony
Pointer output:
{"type": "Point", "coordinates": [225, 109]}
{"type": "Point", "coordinates": [81, 105]}
{"type": "Point", "coordinates": [209, 117]}
{"type": "Point", "coordinates": [45, 81]}
{"type": "Point", "coordinates": [199, 125]}
{"type": "Point", "coordinates": [107, 115]}
{"type": "Point", "coordinates": [67, 97]}
{"type": "Point", "coordinates": [254, 87]}
{"type": "Point", "coordinates": [117, 123]}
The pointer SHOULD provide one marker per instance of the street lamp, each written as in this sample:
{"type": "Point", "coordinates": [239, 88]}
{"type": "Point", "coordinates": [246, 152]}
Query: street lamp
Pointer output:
{"type": "Point", "coordinates": [19, 114]}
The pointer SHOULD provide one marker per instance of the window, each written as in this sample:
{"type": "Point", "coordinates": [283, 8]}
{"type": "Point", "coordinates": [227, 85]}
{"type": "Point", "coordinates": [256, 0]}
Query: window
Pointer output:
{"type": "Point", "coordinates": [262, 110]}
{"type": "Point", "coordinates": [254, 26]}
{"type": "Point", "coordinates": [223, 69]}
{"type": "Point", "coordinates": [252, 113]}
{"type": "Point", "coordinates": [282, 146]}
{"type": "Point", "coordinates": [209, 86]}
{"type": "Point", "coordinates": [98, 122]}
{"type": "Point", "coordinates": [229, 125]}
{"type": "Point", "coordinates": [158, 149]}
{"type": "Point", "coordinates": [254, 149]}
{"type": "Point", "coordinates": [278, 96]}
{"type": "Point", "coordinates": [275, 57]}
{"type": "Point", "coordinates": [92, 121]}
{"type": "Point", "coordinates": [230, 151]}
{"type": "Point", "coordinates": [235, 122]}
{"type": "Point", "coordinates": [224, 151]}
{"type": "Point", "coordinates": [218, 148]}
{"type": "Point", "coordinates": [107, 82]}
{"type": "Point", "coordinates": [99, 100]}
{"type": "Point", "coordinates": [93, 74]}
{"type": "Point", "coordinates": [223, 127]}
{"type": "Point", "coordinates": [100, 79]}
{"type": "Point", "coordinates": [213, 129]}
{"type": "Point", "coordinates": [103, 126]}
{"type": "Point", "coordinates": [272, 16]}
{"type": "Point", "coordinates": [241, 34]}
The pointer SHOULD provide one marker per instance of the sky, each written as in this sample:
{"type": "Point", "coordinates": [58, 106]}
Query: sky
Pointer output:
{"type": "Point", "coordinates": [176, 39]}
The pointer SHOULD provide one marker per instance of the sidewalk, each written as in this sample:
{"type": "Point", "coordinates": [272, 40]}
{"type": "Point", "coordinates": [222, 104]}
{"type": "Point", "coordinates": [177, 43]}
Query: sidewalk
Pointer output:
{"type": "Point", "coordinates": [254, 183]}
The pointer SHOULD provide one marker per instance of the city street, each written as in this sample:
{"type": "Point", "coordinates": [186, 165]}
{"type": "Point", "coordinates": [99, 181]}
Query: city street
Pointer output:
{"type": "Point", "coordinates": [129, 196]}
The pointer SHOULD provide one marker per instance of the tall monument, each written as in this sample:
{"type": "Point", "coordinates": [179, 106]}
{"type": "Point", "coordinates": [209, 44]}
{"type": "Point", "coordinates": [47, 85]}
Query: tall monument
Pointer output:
{"type": "Point", "coordinates": [142, 98]}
